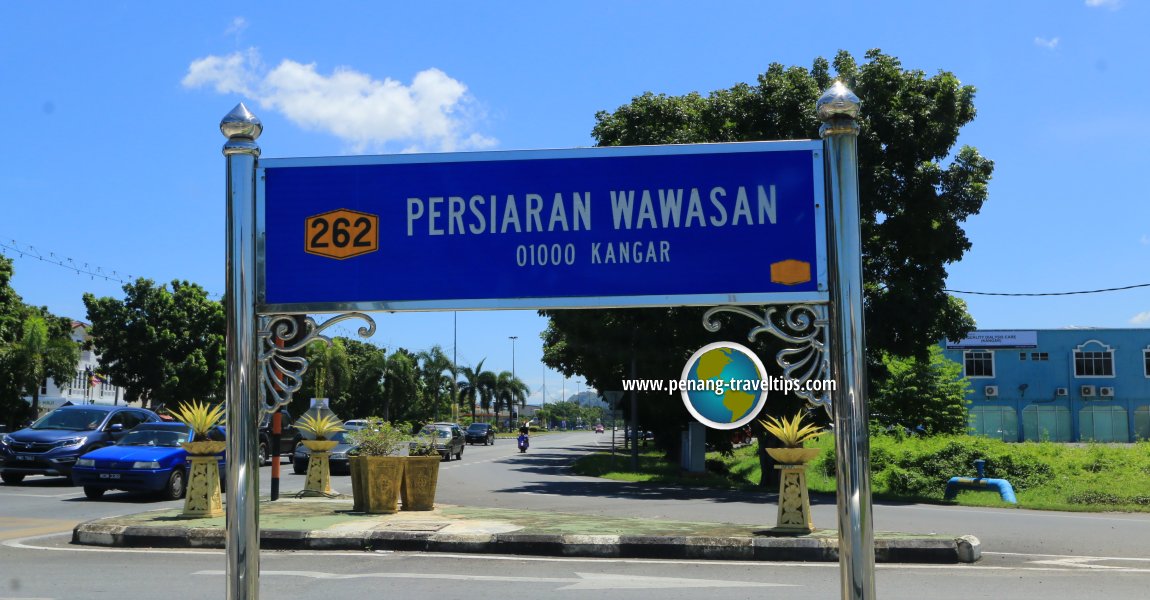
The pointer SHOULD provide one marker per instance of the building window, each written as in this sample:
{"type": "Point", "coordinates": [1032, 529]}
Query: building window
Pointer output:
{"type": "Point", "coordinates": [1021, 356]}
{"type": "Point", "coordinates": [1146, 362]}
{"type": "Point", "coordinates": [1039, 356]}
{"type": "Point", "coordinates": [78, 383]}
{"type": "Point", "coordinates": [1094, 363]}
{"type": "Point", "coordinates": [978, 363]}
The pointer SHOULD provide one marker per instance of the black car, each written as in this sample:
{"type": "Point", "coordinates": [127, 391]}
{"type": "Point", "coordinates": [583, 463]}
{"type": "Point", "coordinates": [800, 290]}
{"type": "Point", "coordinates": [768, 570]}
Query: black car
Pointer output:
{"type": "Point", "coordinates": [337, 461]}
{"type": "Point", "coordinates": [480, 433]}
{"type": "Point", "coordinates": [51, 445]}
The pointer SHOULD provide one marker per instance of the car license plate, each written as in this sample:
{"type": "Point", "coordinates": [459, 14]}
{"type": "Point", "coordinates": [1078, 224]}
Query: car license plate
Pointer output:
{"type": "Point", "coordinates": [109, 475]}
{"type": "Point", "coordinates": [25, 457]}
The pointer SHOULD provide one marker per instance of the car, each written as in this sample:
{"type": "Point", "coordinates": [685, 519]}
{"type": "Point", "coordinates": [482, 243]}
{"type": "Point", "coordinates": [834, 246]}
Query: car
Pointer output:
{"type": "Point", "coordinates": [356, 424]}
{"type": "Point", "coordinates": [337, 461]}
{"type": "Point", "coordinates": [480, 433]}
{"type": "Point", "coordinates": [147, 459]}
{"type": "Point", "coordinates": [598, 428]}
{"type": "Point", "coordinates": [447, 437]}
{"type": "Point", "coordinates": [646, 435]}
{"type": "Point", "coordinates": [51, 445]}
{"type": "Point", "coordinates": [289, 437]}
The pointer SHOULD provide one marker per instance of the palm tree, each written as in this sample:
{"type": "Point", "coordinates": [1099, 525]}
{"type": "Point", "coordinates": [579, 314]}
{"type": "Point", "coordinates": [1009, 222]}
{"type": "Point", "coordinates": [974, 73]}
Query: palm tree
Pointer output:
{"type": "Point", "coordinates": [509, 391]}
{"type": "Point", "coordinates": [439, 376]}
{"type": "Point", "coordinates": [477, 387]}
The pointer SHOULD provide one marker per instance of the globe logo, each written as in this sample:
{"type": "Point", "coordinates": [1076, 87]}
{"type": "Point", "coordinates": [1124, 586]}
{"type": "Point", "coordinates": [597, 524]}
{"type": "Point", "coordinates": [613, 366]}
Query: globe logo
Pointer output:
{"type": "Point", "coordinates": [722, 385]}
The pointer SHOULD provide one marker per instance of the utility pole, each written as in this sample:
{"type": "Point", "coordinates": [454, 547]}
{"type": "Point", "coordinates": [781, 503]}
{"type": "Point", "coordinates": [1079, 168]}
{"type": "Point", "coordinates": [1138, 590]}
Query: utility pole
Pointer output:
{"type": "Point", "coordinates": [509, 419]}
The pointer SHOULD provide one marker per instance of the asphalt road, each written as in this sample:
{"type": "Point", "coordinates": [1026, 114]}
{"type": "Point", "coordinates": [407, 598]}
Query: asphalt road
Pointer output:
{"type": "Point", "coordinates": [1027, 554]}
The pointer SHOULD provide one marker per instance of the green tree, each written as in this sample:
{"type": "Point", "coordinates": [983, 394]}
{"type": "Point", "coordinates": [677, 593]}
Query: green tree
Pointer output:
{"type": "Point", "coordinates": [13, 409]}
{"type": "Point", "coordinates": [161, 346]}
{"type": "Point", "coordinates": [929, 393]}
{"type": "Point", "coordinates": [44, 352]}
{"type": "Point", "coordinates": [402, 387]}
{"type": "Point", "coordinates": [365, 391]}
{"type": "Point", "coordinates": [915, 196]}
{"type": "Point", "coordinates": [328, 376]}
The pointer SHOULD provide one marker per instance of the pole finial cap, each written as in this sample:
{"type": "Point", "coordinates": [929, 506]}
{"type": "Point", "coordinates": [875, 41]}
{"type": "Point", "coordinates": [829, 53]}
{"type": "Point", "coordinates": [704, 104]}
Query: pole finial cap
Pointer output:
{"type": "Point", "coordinates": [838, 101]}
{"type": "Point", "coordinates": [241, 123]}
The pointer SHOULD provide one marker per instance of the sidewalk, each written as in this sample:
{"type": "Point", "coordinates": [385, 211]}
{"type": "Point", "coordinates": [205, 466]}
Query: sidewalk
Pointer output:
{"type": "Point", "coordinates": [329, 524]}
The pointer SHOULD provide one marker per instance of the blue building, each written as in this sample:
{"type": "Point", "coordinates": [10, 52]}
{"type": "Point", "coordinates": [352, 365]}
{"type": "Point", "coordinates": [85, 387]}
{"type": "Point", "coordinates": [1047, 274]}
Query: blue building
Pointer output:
{"type": "Point", "coordinates": [1061, 385]}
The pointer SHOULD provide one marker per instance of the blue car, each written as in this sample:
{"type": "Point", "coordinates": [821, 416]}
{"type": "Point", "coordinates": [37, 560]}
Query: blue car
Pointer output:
{"type": "Point", "coordinates": [51, 445]}
{"type": "Point", "coordinates": [148, 459]}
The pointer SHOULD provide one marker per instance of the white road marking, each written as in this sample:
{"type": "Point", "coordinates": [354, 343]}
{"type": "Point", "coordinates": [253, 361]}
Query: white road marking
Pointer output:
{"type": "Point", "coordinates": [1014, 513]}
{"type": "Point", "coordinates": [1066, 556]}
{"type": "Point", "coordinates": [583, 581]}
{"type": "Point", "coordinates": [23, 495]}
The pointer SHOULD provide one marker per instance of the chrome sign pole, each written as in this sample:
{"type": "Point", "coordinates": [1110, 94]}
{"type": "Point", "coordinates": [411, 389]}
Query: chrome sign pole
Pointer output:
{"type": "Point", "coordinates": [838, 108]}
{"type": "Point", "coordinates": [242, 128]}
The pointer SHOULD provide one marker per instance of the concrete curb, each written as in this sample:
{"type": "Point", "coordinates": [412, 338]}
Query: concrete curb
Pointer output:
{"type": "Point", "coordinates": [908, 549]}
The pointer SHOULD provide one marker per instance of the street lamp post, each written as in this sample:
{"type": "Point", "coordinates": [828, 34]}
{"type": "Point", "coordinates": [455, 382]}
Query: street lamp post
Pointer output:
{"type": "Point", "coordinates": [512, 338]}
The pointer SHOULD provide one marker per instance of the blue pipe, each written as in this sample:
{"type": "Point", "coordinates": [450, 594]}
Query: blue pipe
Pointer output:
{"type": "Point", "coordinates": [1002, 486]}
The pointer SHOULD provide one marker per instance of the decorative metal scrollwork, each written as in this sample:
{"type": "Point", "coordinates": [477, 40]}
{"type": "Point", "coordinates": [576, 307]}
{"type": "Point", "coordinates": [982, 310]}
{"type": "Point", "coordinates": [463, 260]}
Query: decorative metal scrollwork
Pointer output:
{"type": "Point", "coordinates": [281, 374]}
{"type": "Point", "coordinates": [804, 326]}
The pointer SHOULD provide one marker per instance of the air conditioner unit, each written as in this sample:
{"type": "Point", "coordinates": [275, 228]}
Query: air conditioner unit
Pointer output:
{"type": "Point", "coordinates": [1061, 392]}
{"type": "Point", "coordinates": [991, 391]}
{"type": "Point", "coordinates": [1106, 392]}
{"type": "Point", "coordinates": [1087, 391]}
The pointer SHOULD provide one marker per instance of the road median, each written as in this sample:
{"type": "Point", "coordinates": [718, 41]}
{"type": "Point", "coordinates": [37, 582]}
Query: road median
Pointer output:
{"type": "Point", "coordinates": [330, 524]}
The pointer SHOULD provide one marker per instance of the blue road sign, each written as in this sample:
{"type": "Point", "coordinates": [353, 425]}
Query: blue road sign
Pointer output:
{"type": "Point", "coordinates": [595, 227]}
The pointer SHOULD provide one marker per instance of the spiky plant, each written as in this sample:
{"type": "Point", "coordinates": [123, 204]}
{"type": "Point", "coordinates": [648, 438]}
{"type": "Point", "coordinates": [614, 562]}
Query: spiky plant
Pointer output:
{"type": "Point", "coordinates": [320, 426]}
{"type": "Point", "coordinates": [200, 416]}
{"type": "Point", "coordinates": [792, 433]}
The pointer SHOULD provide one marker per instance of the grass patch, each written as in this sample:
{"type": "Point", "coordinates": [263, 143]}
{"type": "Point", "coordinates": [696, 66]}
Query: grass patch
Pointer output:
{"type": "Point", "coordinates": [1045, 475]}
{"type": "Point", "coordinates": [652, 469]}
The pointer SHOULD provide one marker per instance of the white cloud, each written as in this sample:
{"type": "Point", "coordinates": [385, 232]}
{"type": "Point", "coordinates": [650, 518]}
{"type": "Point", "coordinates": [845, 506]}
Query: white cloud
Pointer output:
{"type": "Point", "coordinates": [1111, 4]}
{"type": "Point", "coordinates": [1049, 44]}
{"type": "Point", "coordinates": [1141, 318]}
{"type": "Point", "coordinates": [1145, 239]}
{"type": "Point", "coordinates": [239, 24]}
{"type": "Point", "coordinates": [434, 112]}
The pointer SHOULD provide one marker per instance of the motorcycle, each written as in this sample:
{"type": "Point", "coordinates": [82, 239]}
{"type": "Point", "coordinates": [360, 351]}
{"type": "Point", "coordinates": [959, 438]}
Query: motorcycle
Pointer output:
{"type": "Point", "coordinates": [523, 442]}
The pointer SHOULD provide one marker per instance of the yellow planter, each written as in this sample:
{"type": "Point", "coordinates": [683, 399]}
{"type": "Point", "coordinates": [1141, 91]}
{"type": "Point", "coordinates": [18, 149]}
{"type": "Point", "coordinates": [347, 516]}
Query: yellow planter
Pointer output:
{"type": "Point", "coordinates": [376, 483]}
{"type": "Point", "coordinates": [793, 456]}
{"type": "Point", "coordinates": [794, 501]}
{"type": "Point", "coordinates": [204, 448]}
{"type": "Point", "coordinates": [202, 498]}
{"type": "Point", "coordinates": [319, 467]}
{"type": "Point", "coordinates": [420, 476]}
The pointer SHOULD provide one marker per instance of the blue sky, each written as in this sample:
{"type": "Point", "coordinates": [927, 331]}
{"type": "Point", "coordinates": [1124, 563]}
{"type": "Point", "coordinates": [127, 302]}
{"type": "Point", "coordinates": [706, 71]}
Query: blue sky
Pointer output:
{"type": "Point", "coordinates": [112, 160]}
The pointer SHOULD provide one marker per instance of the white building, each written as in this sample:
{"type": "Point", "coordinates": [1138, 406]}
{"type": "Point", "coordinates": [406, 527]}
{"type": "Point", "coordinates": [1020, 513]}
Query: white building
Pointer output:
{"type": "Point", "coordinates": [85, 386]}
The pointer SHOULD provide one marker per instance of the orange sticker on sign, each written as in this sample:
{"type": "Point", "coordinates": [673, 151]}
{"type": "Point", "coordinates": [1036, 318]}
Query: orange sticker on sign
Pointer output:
{"type": "Point", "coordinates": [342, 234]}
{"type": "Point", "coordinates": [790, 272]}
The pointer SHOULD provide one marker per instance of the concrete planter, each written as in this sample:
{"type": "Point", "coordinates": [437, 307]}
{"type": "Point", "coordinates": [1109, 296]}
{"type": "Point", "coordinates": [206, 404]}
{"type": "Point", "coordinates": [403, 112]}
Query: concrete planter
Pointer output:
{"type": "Point", "coordinates": [376, 482]}
{"type": "Point", "coordinates": [420, 476]}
